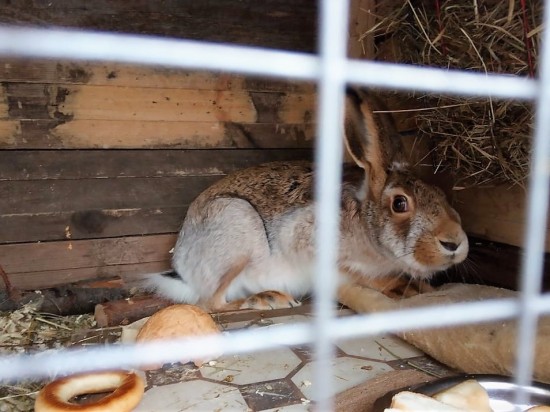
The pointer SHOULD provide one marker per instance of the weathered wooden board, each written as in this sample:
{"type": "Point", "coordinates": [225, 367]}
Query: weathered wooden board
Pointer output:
{"type": "Point", "coordinates": [71, 254]}
{"type": "Point", "coordinates": [85, 102]}
{"type": "Point", "coordinates": [78, 164]}
{"type": "Point", "coordinates": [130, 273]}
{"type": "Point", "coordinates": [109, 134]}
{"type": "Point", "coordinates": [35, 265]}
{"type": "Point", "coordinates": [495, 213]}
{"type": "Point", "coordinates": [40, 115]}
{"type": "Point", "coordinates": [123, 75]}
{"type": "Point", "coordinates": [91, 223]}
{"type": "Point", "coordinates": [363, 16]}
{"type": "Point", "coordinates": [284, 24]}
{"type": "Point", "coordinates": [54, 195]}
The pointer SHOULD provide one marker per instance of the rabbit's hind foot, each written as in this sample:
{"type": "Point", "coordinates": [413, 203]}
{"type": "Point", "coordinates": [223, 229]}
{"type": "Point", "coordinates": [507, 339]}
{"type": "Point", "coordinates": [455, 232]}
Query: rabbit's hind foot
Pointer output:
{"type": "Point", "coordinates": [270, 299]}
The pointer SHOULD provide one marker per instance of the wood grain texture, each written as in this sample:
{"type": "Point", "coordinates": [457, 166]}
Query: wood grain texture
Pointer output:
{"type": "Point", "coordinates": [110, 134]}
{"type": "Point", "coordinates": [126, 311]}
{"type": "Point", "coordinates": [85, 194]}
{"type": "Point", "coordinates": [75, 254]}
{"type": "Point", "coordinates": [42, 265]}
{"type": "Point", "coordinates": [283, 24]}
{"type": "Point", "coordinates": [362, 18]}
{"type": "Point", "coordinates": [123, 75]}
{"type": "Point", "coordinates": [79, 213]}
{"type": "Point", "coordinates": [91, 223]}
{"type": "Point", "coordinates": [100, 164]}
{"type": "Point", "coordinates": [130, 273]}
{"type": "Point", "coordinates": [495, 213]}
{"type": "Point", "coordinates": [56, 195]}
{"type": "Point", "coordinates": [41, 115]}
{"type": "Point", "coordinates": [87, 102]}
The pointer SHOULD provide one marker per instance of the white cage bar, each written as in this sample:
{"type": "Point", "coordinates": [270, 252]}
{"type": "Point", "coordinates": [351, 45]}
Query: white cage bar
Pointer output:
{"type": "Point", "coordinates": [332, 71]}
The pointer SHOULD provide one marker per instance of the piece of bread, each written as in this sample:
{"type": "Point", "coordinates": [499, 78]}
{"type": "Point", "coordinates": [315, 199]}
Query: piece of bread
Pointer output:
{"type": "Point", "coordinates": [406, 401]}
{"type": "Point", "coordinates": [468, 395]}
{"type": "Point", "coordinates": [177, 321]}
{"type": "Point", "coordinates": [540, 408]}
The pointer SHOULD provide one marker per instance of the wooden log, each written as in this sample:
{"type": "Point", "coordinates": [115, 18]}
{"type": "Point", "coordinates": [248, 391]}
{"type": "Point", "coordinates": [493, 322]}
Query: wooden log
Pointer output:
{"type": "Point", "coordinates": [125, 311]}
{"type": "Point", "coordinates": [63, 300]}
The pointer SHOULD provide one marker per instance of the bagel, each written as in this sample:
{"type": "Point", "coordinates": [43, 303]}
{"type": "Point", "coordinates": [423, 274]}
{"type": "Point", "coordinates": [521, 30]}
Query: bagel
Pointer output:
{"type": "Point", "coordinates": [127, 390]}
{"type": "Point", "coordinates": [177, 321]}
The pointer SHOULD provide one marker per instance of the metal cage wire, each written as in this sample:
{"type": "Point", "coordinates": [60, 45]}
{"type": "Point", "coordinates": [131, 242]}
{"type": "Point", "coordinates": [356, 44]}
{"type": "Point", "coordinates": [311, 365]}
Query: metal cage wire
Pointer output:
{"type": "Point", "coordinates": [332, 70]}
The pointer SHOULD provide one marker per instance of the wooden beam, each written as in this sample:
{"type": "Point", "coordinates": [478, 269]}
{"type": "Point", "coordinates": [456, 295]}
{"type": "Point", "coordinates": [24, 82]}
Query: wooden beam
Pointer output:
{"type": "Point", "coordinates": [125, 311]}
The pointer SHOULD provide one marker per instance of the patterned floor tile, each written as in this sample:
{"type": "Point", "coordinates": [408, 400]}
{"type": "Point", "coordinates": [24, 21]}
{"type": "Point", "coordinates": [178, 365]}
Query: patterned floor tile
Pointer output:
{"type": "Point", "coordinates": [250, 368]}
{"type": "Point", "coordinates": [304, 406]}
{"type": "Point", "coordinates": [347, 372]}
{"type": "Point", "coordinates": [424, 364]}
{"type": "Point", "coordinates": [271, 381]}
{"type": "Point", "coordinates": [192, 396]}
{"type": "Point", "coordinates": [274, 394]}
{"type": "Point", "coordinates": [384, 348]}
{"type": "Point", "coordinates": [172, 373]}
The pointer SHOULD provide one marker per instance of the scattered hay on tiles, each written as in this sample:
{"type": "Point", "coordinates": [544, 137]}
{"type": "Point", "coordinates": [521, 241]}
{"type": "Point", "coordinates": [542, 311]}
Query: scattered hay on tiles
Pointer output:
{"type": "Point", "coordinates": [481, 141]}
{"type": "Point", "coordinates": [26, 331]}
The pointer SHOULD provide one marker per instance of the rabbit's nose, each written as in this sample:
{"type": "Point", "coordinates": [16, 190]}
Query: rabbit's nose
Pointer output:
{"type": "Point", "coordinates": [450, 246]}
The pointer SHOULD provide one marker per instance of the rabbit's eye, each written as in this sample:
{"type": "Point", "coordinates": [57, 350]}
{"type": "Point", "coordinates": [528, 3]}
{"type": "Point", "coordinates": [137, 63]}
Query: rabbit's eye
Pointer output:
{"type": "Point", "coordinates": [400, 204]}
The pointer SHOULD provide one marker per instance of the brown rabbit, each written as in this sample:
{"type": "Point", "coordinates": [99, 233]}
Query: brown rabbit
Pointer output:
{"type": "Point", "coordinates": [247, 241]}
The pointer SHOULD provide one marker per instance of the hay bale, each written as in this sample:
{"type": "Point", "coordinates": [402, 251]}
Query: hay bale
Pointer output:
{"type": "Point", "coordinates": [481, 141]}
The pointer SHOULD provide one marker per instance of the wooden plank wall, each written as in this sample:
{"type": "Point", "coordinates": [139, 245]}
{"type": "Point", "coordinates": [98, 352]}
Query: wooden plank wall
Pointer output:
{"type": "Point", "coordinates": [99, 162]}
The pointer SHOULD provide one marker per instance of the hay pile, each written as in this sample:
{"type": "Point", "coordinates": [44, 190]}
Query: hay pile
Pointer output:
{"type": "Point", "coordinates": [28, 331]}
{"type": "Point", "coordinates": [481, 141]}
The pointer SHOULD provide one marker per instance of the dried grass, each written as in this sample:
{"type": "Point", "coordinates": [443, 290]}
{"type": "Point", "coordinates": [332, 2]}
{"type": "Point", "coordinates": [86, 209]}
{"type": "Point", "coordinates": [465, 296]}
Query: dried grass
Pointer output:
{"type": "Point", "coordinates": [26, 331]}
{"type": "Point", "coordinates": [481, 141]}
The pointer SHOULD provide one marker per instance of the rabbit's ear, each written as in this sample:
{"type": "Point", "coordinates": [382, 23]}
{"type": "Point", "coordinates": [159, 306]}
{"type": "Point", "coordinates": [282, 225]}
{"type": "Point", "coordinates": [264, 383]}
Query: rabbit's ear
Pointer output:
{"type": "Point", "coordinates": [372, 139]}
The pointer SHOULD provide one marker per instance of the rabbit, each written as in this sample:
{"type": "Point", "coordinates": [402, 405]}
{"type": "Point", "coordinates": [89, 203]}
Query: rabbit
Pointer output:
{"type": "Point", "coordinates": [247, 241]}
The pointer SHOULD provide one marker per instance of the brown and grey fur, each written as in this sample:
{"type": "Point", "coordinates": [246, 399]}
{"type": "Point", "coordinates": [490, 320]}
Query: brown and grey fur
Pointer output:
{"type": "Point", "coordinates": [252, 231]}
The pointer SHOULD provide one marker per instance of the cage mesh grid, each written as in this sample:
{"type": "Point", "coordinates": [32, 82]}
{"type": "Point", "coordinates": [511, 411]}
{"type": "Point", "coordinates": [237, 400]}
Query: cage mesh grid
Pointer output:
{"type": "Point", "coordinates": [332, 71]}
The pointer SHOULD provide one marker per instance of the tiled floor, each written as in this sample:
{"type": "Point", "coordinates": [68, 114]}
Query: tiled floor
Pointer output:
{"type": "Point", "coordinates": [277, 380]}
